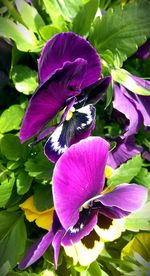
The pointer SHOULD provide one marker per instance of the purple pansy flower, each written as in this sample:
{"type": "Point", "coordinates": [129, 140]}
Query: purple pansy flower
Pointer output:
{"type": "Point", "coordinates": [69, 71]}
{"type": "Point", "coordinates": [79, 200]}
{"type": "Point", "coordinates": [143, 51]}
{"type": "Point", "coordinates": [124, 150]}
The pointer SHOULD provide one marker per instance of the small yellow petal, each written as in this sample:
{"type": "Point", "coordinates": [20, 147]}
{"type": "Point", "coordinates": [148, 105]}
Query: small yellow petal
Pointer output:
{"type": "Point", "coordinates": [114, 231]}
{"type": "Point", "coordinates": [45, 220]}
{"type": "Point", "coordinates": [30, 216]}
{"type": "Point", "coordinates": [108, 171]}
{"type": "Point", "coordinates": [42, 219]}
{"type": "Point", "coordinates": [80, 253]}
{"type": "Point", "coordinates": [29, 205]}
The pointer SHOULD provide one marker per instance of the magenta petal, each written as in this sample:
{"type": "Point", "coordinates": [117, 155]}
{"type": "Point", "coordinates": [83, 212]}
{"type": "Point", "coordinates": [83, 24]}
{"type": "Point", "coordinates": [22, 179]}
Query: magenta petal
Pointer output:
{"type": "Point", "coordinates": [50, 97]}
{"type": "Point", "coordinates": [128, 197]}
{"type": "Point", "coordinates": [68, 47]}
{"type": "Point", "coordinates": [79, 173]}
{"type": "Point", "coordinates": [127, 107]}
{"type": "Point", "coordinates": [36, 250]}
{"type": "Point", "coordinates": [56, 245]}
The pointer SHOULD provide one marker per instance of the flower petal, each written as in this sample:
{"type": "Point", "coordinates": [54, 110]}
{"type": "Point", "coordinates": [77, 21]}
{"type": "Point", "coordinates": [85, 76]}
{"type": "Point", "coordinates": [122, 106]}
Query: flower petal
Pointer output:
{"type": "Point", "coordinates": [143, 51]}
{"type": "Point", "coordinates": [70, 132]}
{"type": "Point", "coordinates": [80, 174]}
{"type": "Point", "coordinates": [85, 224]}
{"type": "Point", "coordinates": [36, 250]}
{"type": "Point", "coordinates": [84, 254]}
{"type": "Point", "coordinates": [68, 47]}
{"type": "Point", "coordinates": [124, 150]}
{"type": "Point", "coordinates": [127, 197]}
{"type": "Point", "coordinates": [126, 106]}
{"type": "Point", "coordinates": [95, 92]}
{"type": "Point", "coordinates": [51, 96]}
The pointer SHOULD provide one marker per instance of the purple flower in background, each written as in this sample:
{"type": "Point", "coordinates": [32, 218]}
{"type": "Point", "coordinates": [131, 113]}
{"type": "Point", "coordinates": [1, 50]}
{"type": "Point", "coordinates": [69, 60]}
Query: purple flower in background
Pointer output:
{"type": "Point", "coordinates": [134, 107]}
{"type": "Point", "coordinates": [124, 150]}
{"type": "Point", "coordinates": [69, 71]}
{"type": "Point", "coordinates": [79, 200]}
{"type": "Point", "coordinates": [143, 51]}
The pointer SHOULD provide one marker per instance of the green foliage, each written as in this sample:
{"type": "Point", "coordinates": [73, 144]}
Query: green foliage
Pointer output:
{"type": "Point", "coordinates": [122, 30]}
{"type": "Point", "coordinates": [25, 80]}
{"type": "Point", "coordinates": [126, 172]}
{"type": "Point", "coordinates": [6, 190]}
{"type": "Point", "coordinates": [23, 182]}
{"type": "Point", "coordinates": [25, 39]}
{"type": "Point", "coordinates": [30, 16]}
{"type": "Point", "coordinates": [43, 197]}
{"type": "Point", "coordinates": [39, 167]}
{"type": "Point", "coordinates": [13, 237]}
{"type": "Point", "coordinates": [10, 147]}
{"type": "Point", "coordinates": [123, 77]}
{"type": "Point", "coordinates": [48, 31]}
{"type": "Point", "coordinates": [139, 220]}
{"type": "Point", "coordinates": [15, 112]}
{"type": "Point", "coordinates": [82, 22]}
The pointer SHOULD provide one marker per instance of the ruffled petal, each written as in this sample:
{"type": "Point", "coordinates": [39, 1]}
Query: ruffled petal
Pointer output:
{"type": "Point", "coordinates": [127, 197]}
{"type": "Point", "coordinates": [85, 224]}
{"type": "Point", "coordinates": [68, 47]}
{"type": "Point", "coordinates": [127, 107]}
{"type": "Point", "coordinates": [70, 132]}
{"type": "Point", "coordinates": [124, 150]}
{"type": "Point", "coordinates": [80, 174]}
{"type": "Point", "coordinates": [51, 96]}
{"type": "Point", "coordinates": [36, 250]}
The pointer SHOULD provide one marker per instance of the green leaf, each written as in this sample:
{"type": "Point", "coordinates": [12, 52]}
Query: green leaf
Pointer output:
{"type": "Point", "coordinates": [139, 220]}
{"type": "Point", "coordinates": [25, 39]}
{"type": "Point", "coordinates": [139, 244]}
{"type": "Point", "coordinates": [55, 15]}
{"type": "Point", "coordinates": [24, 79]}
{"type": "Point", "coordinates": [10, 147]}
{"type": "Point", "coordinates": [126, 172]}
{"type": "Point", "coordinates": [12, 245]}
{"type": "Point", "coordinates": [83, 20]}
{"type": "Point", "coordinates": [5, 268]}
{"type": "Point", "coordinates": [94, 269]}
{"type": "Point", "coordinates": [11, 118]}
{"type": "Point", "coordinates": [125, 78]}
{"type": "Point", "coordinates": [23, 182]}
{"type": "Point", "coordinates": [43, 197]}
{"type": "Point", "coordinates": [122, 30]}
{"type": "Point", "coordinates": [30, 16]}
{"type": "Point", "coordinates": [48, 31]}
{"type": "Point", "coordinates": [6, 190]}
{"type": "Point", "coordinates": [39, 167]}
{"type": "Point", "coordinates": [143, 178]}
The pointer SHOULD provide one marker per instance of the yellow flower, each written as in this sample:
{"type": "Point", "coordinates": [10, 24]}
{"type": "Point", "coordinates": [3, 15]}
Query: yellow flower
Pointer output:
{"type": "Point", "coordinates": [42, 219]}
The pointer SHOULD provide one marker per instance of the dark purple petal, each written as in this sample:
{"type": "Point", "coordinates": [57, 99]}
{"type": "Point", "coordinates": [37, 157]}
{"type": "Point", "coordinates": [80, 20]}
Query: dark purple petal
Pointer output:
{"type": "Point", "coordinates": [83, 227]}
{"type": "Point", "coordinates": [143, 51]}
{"type": "Point", "coordinates": [36, 250]}
{"type": "Point", "coordinates": [80, 174]}
{"type": "Point", "coordinates": [146, 155]}
{"type": "Point", "coordinates": [124, 150]}
{"type": "Point", "coordinates": [69, 47]}
{"type": "Point", "coordinates": [70, 132]}
{"type": "Point", "coordinates": [127, 197]}
{"type": "Point", "coordinates": [142, 103]}
{"type": "Point", "coordinates": [123, 104]}
{"type": "Point", "coordinates": [51, 96]}
{"type": "Point", "coordinates": [95, 92]}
